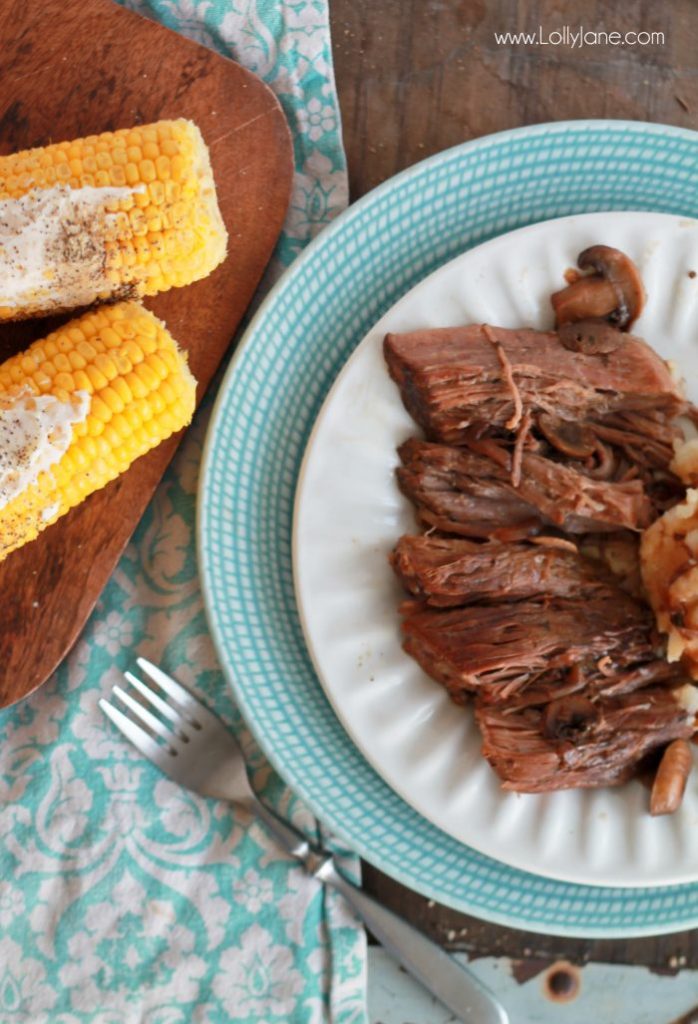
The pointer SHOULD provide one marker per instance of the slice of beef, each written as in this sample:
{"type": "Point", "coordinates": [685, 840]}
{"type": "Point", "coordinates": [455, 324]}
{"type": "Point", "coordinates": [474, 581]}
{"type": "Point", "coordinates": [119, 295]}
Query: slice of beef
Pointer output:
{"type": "Point", "coordinates": [500, 649]}
{"type": "Point", "coordinates": [576, 503]}
{"type": "Point", "coordinates": [448, 571]}
{"type": "Point", "coordinates": [470, 493]}
{"type": "Point", "coordinates": [646, 438]}
{"type": "Point", "coordinates": [451, 378]}
{"type": "Point", "coordinates": [613, 681]}
{"type": "Point", "coordinates": [460, 492]}
{"type": "Point", "coordinates": [577, 742]}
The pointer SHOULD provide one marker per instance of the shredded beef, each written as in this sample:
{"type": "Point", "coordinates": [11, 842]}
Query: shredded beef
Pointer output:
{"type": "Point", "coordinates": [470, 493]}
{"type": "Point", "coordinates": [647, 438]}
{"type": "Point", "coordinates": [598, 748]}
{"type": "Point", "coordinates": [448, 571]}
{"type": "Point", "coordinates": [451, 378]}
{"type": "Point", "coordinates": [543, 464]}
{"type": "Point", "coordinates": [541, 688]}
{"type": "Point", "coordinates": [498, 649]}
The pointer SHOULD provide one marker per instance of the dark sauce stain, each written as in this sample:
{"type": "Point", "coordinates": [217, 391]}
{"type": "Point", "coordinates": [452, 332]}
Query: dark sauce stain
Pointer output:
{"type": "Point", "coordinates": [192, 71]}
{"type": "Point", "coordinates": [12, 123]}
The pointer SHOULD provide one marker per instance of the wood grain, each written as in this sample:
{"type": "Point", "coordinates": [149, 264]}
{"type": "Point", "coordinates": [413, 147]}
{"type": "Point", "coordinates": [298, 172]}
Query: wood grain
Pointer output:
{"type": "Point", "coordinates": [70, 70]}
{"type": "Point", "coordinates": [417, 76]}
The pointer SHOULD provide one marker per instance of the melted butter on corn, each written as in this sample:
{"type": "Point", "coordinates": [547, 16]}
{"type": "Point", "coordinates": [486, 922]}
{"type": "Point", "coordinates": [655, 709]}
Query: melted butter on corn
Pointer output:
{"type": "Point", "coordinates": [53, 241]}
{"type": "Point", "coordinates": [35, 433]}
{"type": "Point", "coordinates": [161, 229]}
{"type": "Point", "coordinates": [98, 392]}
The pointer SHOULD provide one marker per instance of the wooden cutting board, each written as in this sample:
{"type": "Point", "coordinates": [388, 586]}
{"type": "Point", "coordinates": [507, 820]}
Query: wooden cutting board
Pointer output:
{"type": "Point", "coordinates": [73, 69]}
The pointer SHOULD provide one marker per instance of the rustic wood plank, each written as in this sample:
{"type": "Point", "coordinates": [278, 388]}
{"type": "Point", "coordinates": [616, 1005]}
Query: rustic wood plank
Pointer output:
{"type": "Point", "coordinates": [665, 954]}
{"type": "Point", "coordinates": [417, 76]}
{"type": "Point", "coordinates": [69, 71]}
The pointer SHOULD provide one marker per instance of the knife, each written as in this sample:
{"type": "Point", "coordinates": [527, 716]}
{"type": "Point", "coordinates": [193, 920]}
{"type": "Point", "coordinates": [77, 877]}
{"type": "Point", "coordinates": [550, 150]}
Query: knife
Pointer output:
{"type": "Point", "coordinates": [453, 985]}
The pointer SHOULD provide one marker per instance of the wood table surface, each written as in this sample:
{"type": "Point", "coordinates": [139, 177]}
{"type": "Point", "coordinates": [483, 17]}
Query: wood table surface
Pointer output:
{"type": "Point", "coordinates": [417, 76]}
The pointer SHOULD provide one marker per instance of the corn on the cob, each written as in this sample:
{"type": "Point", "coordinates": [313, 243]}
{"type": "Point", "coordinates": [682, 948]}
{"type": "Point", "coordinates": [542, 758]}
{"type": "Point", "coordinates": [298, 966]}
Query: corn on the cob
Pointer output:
{"type": "Point", "coordinates": [78, 407]}
{"type": "Point", "coordinates": [112, 216]}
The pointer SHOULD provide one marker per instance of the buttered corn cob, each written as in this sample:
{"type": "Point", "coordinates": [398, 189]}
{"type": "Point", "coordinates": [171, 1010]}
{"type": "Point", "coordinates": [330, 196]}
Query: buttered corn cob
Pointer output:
{"type": "Point", "coordinates": [117, 215]}
{"type": "Point", "coordinates": [78, 407]}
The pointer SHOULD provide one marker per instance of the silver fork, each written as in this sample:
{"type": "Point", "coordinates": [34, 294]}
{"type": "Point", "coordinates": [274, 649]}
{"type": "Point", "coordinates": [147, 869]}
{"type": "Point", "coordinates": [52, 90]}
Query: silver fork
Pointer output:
{"type": "Point", "coordinates": [196, 749]}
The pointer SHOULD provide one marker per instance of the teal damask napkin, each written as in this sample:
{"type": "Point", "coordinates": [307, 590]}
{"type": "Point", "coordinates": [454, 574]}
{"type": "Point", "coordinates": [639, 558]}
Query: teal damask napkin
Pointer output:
{"type": "Point", "coordinates": [123, 898]}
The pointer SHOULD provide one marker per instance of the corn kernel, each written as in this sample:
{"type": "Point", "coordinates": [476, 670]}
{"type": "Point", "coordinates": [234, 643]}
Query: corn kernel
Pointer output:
{"type": "Point", "coordinates": [65, 381]}
{"type": "Point", "coordinates": [100, 409]}
{"type": "Point", "coordinates": [117, 176]}
{"type": "Point", "coordinates": [122, 389]}
{"type": "Point", "coordinates": [82, 381]}
{"type": "Point", "coordinates": [158, 365]}
{"type": "Point", "coordinates": [138, 388]}
{"type": "Point", "coordinates": [111, 397]}
{"type": "Point", "coordinates": [97, 378]}
{"type": "Point", "coordinates": [146, 373]}
{"type": "Point", "coordinates": [77, 361]}
{"type": "Point", "coordinates": [132, 350]}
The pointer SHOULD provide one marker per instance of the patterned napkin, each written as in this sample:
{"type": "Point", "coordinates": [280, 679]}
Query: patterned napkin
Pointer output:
{"type": "Point", "coordinates": [124, 898]}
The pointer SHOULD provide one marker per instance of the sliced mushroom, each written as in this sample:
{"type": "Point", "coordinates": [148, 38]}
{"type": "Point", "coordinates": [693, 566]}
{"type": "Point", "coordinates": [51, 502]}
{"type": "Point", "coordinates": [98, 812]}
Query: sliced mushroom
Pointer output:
{"type": "Point", "coordinates": [620, 271]}
{"type": "Point", "coordinates": [671, 777]}
{"type": "Point", "coordinates": [605, 464]}
{"type": "Point", "coordinates": [569, 437]}
{"type": "Point", "coordinates": [569, 718]}
{"type": "Point", "coordinates": [591, 297]}
{"type": "Point", "coordinates": [592, 337]}
{"type": "Point", "coordinates": [613, 290]}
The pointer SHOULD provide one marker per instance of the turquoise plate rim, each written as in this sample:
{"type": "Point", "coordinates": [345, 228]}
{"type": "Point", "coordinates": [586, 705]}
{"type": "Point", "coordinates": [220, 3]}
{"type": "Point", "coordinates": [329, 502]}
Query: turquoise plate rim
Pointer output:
{"type": "Point", "coordinates": [282, 766]}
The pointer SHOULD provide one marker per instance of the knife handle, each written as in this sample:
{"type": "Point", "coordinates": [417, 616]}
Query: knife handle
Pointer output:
{"type": "Point", "coordinates": [455, 986]}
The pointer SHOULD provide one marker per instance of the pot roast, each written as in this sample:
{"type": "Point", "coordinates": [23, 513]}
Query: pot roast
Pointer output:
{"type": "Point", "coordinates": [546, 457]}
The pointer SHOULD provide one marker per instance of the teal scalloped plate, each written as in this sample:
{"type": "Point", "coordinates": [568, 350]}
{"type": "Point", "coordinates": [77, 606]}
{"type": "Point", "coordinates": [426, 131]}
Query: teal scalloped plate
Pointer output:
{"type": "Point", "coordinates": [292, 352]}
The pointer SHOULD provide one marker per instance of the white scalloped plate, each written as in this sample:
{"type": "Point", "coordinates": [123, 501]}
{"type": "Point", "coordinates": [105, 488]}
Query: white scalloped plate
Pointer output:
{"type": "Point", "coordinates": [349, 514]}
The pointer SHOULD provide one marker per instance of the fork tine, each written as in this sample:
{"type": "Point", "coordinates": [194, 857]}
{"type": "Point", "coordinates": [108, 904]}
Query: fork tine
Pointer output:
{"type": "Point", "coordinates": [140, 739]}
{"type": "Point", "coordinates": [175, 690]}
{"type": "Point", "coordinates": [144, 715]}
{"type": "Point", "coordinates": [158, 703]}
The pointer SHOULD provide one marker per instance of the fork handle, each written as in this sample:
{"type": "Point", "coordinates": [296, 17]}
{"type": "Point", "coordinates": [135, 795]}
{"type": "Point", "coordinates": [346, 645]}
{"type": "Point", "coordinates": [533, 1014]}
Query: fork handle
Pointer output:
{"type": "Point", "coordinates": [459, 990]}
{"type": "Point", "coordinates": [286, 835]}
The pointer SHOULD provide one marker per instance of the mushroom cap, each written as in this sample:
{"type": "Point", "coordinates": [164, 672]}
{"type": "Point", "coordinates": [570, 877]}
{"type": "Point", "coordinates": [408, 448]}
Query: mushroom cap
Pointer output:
{"type": "Point", "coordinates": [620, 271]}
